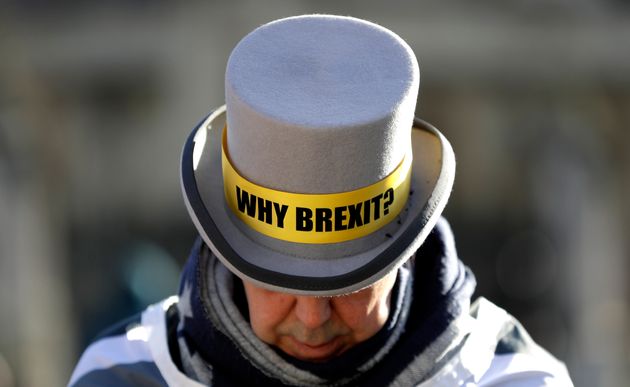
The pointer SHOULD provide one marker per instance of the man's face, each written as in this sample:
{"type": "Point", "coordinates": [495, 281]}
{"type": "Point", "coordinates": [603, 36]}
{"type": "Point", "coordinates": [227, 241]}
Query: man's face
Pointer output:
{"type": "Point", "coordinates": [318, 328]}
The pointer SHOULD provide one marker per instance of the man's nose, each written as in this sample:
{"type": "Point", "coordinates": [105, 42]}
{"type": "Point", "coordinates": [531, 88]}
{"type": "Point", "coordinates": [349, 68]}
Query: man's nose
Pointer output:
{"type": "Point", "coordinates": [312, 311]}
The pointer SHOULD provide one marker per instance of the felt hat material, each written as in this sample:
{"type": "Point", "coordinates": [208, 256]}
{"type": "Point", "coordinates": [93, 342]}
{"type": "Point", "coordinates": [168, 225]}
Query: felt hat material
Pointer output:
{"type": "Point", "coordinates": [304, 87]}
{"type": "Point", "coordinates": [317, 105]}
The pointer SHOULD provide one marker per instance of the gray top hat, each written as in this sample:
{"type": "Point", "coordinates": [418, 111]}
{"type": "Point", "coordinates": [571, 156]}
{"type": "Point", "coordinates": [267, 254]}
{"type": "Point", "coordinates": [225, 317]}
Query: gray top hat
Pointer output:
{"type": "Point", "coordinates": [311, 179]}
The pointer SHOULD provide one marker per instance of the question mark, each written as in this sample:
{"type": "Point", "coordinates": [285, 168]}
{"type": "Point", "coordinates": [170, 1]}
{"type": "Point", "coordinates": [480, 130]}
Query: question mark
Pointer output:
{"type": "Point", "coordinates": [389, 199]}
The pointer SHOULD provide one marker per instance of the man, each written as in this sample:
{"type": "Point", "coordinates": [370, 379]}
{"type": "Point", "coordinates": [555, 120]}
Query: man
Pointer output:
{"type": "Point", "coordinates": [322, 257]}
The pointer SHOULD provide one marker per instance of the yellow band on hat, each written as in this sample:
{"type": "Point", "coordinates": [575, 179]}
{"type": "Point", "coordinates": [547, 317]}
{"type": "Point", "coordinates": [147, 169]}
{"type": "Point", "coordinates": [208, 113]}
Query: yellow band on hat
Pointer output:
{"type": "Point", "coordinates": [316, 218]}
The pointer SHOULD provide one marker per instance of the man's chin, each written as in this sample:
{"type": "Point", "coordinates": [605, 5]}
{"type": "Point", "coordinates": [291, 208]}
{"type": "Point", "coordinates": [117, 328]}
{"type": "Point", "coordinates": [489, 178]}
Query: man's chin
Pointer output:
{"type": "Point", "coordinates": [315, 352]}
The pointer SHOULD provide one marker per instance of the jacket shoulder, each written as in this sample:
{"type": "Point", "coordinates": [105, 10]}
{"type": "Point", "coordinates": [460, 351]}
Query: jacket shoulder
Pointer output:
{"type": "Point", "coordinates": [122, 355]}
{"type": "Point", "coordinates": [517, 360]}
{"type": "Point", "coordinates": [497, 351]}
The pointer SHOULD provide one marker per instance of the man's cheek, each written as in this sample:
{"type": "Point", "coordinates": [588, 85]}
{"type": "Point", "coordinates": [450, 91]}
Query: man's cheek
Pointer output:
{"type": "Point", "coordinates": [264, 332]}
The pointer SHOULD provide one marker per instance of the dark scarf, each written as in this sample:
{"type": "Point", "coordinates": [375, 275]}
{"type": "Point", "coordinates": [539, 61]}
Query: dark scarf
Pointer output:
{"type": "Point", "coordinates": [221, 350]}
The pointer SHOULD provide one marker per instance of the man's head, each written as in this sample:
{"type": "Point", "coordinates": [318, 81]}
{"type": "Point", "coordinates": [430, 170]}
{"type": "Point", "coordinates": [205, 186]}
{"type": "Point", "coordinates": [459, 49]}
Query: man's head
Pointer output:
{"type": "Point", "coordinates": [315, 328]}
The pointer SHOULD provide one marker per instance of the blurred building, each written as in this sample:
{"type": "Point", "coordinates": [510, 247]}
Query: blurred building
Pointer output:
{"type": "Point", "coordinates": [97, 100]}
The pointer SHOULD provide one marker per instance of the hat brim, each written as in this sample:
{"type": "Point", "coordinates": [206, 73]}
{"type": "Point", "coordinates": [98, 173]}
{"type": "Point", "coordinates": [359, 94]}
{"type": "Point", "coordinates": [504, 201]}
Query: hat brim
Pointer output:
{"type": "Point", "coordinates": [433, 171]}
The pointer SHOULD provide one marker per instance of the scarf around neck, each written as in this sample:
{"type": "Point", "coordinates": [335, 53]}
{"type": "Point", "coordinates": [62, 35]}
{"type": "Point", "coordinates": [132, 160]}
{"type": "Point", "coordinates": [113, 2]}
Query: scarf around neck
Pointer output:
{"type": "Point", "coordinates": [218, 347]}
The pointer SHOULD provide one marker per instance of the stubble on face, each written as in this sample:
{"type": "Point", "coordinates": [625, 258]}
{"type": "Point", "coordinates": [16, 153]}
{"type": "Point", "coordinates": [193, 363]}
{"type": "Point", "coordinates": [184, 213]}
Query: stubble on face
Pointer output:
{"type": "Point", "coordinates": [318, 328]}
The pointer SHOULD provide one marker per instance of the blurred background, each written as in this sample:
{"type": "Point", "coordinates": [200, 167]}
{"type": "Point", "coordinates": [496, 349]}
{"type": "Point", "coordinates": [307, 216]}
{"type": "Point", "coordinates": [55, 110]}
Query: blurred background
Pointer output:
{"type": "Point", "coordinates": [97, 98]}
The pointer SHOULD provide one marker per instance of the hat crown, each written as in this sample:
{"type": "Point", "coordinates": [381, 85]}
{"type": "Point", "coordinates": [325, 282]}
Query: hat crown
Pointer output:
{"type": "Point", "coordinates": [320, 104]}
